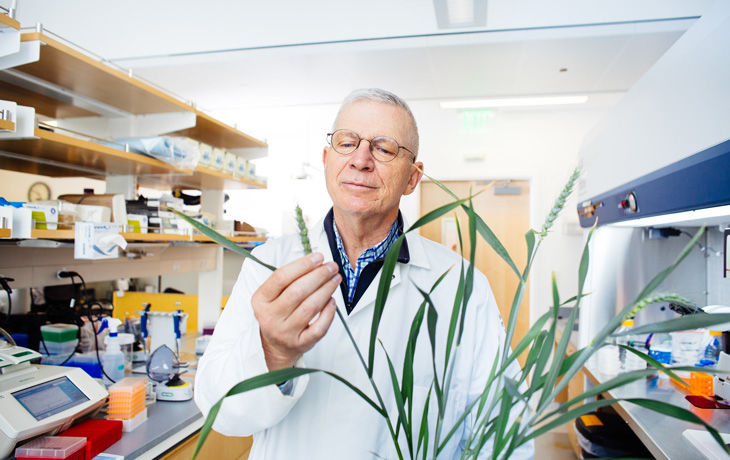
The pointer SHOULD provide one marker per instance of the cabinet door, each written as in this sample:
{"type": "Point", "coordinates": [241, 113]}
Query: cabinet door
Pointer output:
{"type": "Point", "coordinates": [216, 446]}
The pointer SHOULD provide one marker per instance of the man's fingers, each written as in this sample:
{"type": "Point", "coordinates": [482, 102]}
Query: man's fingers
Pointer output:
{"type": "Point", "coordinates": [301, 289]}
{"type": "Point", "coordinates": [284, 276]}
{"type": "Point", "coordinates": [312, 305]}
{"type": "Point", "coordinates": [315, 331]}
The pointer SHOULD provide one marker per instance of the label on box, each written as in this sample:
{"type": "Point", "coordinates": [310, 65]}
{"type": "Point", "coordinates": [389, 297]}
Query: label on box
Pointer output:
{"type": "Point", "coordinates": [137, 222]}
{"type": "Point", "coordinates": [97, 241]}
{"type": "Point", "coordinates": [219, 157]}
{"type": "Point", "coordinates": [206, 154]}
{"type": "Point", "coordinates": [230, 163]}
{"type": "Point", "coordinates": [44, 215]}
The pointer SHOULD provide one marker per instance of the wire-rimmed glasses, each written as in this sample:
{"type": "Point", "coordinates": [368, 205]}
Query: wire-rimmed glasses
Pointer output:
{"type": "Point", "coordinates": [383, 149]}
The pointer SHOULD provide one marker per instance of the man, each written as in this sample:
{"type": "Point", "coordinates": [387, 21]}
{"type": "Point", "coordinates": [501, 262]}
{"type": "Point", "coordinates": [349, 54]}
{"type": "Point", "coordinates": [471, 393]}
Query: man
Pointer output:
{"type": "Point", "coordinates": [284, 319]}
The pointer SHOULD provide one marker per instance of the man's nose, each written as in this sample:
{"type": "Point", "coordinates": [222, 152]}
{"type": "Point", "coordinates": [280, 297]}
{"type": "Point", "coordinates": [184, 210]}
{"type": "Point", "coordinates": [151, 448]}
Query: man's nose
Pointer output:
{"type": "Point", "coordinates": [362, 157]}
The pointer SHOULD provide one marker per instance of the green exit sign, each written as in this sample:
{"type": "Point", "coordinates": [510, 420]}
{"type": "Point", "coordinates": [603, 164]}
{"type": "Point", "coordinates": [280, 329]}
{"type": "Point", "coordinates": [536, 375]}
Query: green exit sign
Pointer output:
{"type": "Point", "coordinates": [475, 121]}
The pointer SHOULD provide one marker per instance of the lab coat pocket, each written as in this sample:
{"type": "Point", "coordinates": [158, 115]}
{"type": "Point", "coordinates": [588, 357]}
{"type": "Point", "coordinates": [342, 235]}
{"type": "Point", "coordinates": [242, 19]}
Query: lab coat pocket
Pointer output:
{"type": "Point", "coordinates": [454, 409]}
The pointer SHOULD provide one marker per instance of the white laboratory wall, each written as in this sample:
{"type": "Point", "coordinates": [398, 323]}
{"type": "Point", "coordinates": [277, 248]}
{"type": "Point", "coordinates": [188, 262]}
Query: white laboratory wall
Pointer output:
{"type": "Point", "coordinates": [14, 185]}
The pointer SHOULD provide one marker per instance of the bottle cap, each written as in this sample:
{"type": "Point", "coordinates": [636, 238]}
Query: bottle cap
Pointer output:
{"type": "Point", "coordinates": [628, 322]}
{"type": "Point", "coordinates": [715, 333]}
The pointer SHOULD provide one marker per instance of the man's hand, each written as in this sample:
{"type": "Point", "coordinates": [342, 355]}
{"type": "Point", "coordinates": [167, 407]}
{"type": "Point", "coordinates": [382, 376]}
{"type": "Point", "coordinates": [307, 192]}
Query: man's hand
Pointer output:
{"type": "Point", "coordinates": [286, 304]}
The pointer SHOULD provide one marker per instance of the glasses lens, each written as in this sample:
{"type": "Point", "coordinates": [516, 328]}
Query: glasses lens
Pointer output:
{"type": "Point", "coordinates": [344, 141]}
{"type": "Point", "coordinates": [384, 149]}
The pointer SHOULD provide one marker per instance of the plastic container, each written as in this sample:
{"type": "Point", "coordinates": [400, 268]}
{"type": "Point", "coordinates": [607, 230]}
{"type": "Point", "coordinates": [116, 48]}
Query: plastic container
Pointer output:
{"type": "Point", "coordinates": [627, 325]}
{"type": "Point", "coordinates": [59, 348]}
{"type": "Point", "coordinates": [113, 359]}
{"type": "Point", "coordinates": [137, 420]}
{"type": "Point", "coordinates": [662, 353]}
{"type": "Point", "coordinates": [60, 447]}
{"type": "Point", "coordinates": [88, 362]}
{"type": "Point", "coordinates": [128, 386]}
{"type": "Point", "coordinates": [712, 351]}
{"type": "Point", "coordinates": [686, 347]}
{"type": "Point", "coordinates": [59, 332]}
{"type": "Point", "coordinates": [53, 360]}
{"type": "Point", "coordinates": [99, 434]}
{"type": "Point", "coordinates": [701, 384]}
{"type": "Point", "coordinates": [125, 343]}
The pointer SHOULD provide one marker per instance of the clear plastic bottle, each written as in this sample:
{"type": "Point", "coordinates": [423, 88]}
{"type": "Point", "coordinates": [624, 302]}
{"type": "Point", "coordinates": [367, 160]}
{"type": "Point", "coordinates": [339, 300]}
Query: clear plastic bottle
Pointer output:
{"type": "Point", "coordinates": [627, 325]}
{"type": "Point", "coordinates": [113, 359]}
{"type": "Point", "coordinates": [712, 352]}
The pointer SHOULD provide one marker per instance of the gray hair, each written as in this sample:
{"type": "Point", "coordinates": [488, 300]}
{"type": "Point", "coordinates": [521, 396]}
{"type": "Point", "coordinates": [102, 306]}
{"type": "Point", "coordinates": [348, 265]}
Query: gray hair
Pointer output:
{"type": "Point", "coordinates": [385, 97]}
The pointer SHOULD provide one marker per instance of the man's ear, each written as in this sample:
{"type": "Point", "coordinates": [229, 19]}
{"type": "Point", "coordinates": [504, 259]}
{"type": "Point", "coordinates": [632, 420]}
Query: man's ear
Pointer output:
{"type": "Point", "coordinates": [324, 156]}
{"type": "Point", "coordinates": [414, 178]}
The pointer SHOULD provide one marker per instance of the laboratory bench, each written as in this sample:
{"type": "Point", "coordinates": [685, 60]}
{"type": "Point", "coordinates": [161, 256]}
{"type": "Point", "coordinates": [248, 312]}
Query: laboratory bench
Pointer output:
{"type": "Point", "coordinates": [172, 428]}
{"type": "Point", "coordinates": [662, 435]}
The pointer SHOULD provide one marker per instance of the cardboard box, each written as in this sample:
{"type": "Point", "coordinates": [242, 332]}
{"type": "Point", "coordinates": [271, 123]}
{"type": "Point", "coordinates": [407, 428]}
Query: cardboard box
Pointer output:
{"type": "Point", "coordinates": [94, 241]}
{"type": "Point", "coordinates": [44, 215]}
{"type": "Point", "coordinates": [115, 202]}
{"type": "Point", "coordinates": [219, 156]}
{"type": "Point", "coordinates": [241, 167]}
{"type": "Point", "coordinates": [22, 222]}
{"type": "Point", "coordinates": [229, 165]}
{"type": "Point", "coordinates": [206, 154]}
{"type": "Point", "coordinates": [138, 223]}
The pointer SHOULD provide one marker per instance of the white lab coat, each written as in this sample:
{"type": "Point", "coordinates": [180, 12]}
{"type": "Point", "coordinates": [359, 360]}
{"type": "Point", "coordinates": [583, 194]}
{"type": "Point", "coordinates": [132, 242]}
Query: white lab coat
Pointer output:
{"type": "Point", "coordinates": [323, 419]}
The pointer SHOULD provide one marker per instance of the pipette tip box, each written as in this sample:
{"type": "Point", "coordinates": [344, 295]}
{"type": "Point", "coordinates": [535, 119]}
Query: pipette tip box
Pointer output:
{"type": "Point", "coordinates": [99, 435]}
{"type": "Point", "coordinates": [66, 448]}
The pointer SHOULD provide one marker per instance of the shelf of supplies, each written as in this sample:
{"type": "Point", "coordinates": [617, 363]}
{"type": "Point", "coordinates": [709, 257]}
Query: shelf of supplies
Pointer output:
{"type": "Point", "coordinates": [5, 232]}
{"type": "Point", "coordinates": [68, 68]}
{"type": "Point", "coordinates": [7, 125]}
{"type": "Point", "coordinates": [59, 155]}
{"type": "Point", "coordinates": [216, 180]}
{"type": "Point", "coordinates": [139, 237]}
{"type": "Point", "coordinates": [7, 21]}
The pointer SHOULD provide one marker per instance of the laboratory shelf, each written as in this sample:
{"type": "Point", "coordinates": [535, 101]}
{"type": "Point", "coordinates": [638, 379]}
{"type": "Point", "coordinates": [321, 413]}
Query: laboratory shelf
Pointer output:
{"type": "Point", "coordinates": [139, 237]}
{"type": "Point", "coordinates": [7, 125]}
{"type": "Point", "coordinates": [68, 68]}
{"type": "Point", "coordinates": [7, 21]}
{"type": "Point", "coordinates": [58, 155]}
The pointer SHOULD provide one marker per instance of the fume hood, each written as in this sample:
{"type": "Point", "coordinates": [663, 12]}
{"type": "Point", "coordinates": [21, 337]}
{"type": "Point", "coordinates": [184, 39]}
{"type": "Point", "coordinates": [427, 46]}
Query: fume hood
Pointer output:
{"type": "Point", "coordinates": [665, 147]}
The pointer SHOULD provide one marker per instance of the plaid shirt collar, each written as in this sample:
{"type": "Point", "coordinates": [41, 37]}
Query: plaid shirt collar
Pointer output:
{"type": "Point", "coordinates": [369, 255]}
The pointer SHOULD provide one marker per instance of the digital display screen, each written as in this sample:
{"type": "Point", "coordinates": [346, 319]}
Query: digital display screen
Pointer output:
{"type": "Point", "coordinates": [50, 398]}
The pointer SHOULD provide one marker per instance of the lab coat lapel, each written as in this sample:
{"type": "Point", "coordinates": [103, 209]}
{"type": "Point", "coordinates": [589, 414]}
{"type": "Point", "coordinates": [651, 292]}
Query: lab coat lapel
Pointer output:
{"type": "Point", "coordinates": [368, 298]}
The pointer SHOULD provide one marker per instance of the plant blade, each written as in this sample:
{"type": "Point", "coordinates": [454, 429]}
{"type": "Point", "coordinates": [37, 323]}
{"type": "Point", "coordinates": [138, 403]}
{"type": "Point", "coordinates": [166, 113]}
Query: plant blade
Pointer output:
{"type": "Point", "coordinates": [220, 239]}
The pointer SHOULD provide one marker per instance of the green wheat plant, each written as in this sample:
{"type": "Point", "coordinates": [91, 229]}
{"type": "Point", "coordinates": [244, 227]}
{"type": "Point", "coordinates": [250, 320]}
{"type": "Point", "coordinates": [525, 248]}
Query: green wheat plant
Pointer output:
{"type": "Point", "coordinates": [548, 367]}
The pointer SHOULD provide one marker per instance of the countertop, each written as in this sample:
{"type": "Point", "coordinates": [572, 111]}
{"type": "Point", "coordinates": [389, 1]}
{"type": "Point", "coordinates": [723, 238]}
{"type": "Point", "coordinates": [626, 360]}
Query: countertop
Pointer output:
{"type": "Point", "coordinates": [168, 423]}
{"type": "Point", "coordinates": [661, 434]}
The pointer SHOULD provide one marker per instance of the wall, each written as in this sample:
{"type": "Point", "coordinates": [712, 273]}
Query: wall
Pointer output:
{"type": "Point", "coordinates": [14, 185]}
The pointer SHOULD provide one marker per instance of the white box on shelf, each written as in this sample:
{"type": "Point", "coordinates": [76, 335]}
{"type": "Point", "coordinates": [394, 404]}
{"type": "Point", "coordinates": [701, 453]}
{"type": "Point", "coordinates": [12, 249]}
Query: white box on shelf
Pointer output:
{"type": "Point", "coordinates": [21, 221]}
{"type": "Point", "coordinates": [138, 223]}
{"type": "Point", "coordinates": [251, 170]}
{"type": "Point", "coordinates": [6, 217]}
{"type": "Point", "coordinates": [229, 165]}
{"type": "Point", "coordinates": [219, 156]}
{"type": "Point", "coordinates": [44, 215]}
{"type": "Point", "coordinates": [206, 154]}
{"type": "Point", "coordinates": [97, 241]}
{"type": "Point", "coordinates": [241, 167]}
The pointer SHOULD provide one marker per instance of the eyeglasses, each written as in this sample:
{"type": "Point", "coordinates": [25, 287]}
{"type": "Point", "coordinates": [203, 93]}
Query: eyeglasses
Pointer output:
{"type": "Point", "coordinates": [383, 149]}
